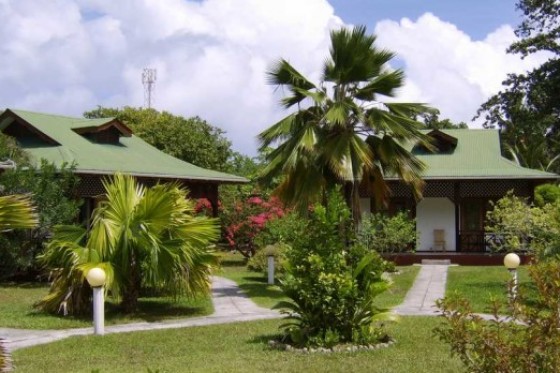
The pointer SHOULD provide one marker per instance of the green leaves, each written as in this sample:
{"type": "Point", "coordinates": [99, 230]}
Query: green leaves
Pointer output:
{"type": "Point", "coordinates": [16, 211]}
{"type": "Point", "coordinates": [143, 237]}
{"type": "Point", "coordinates": [322, 144]}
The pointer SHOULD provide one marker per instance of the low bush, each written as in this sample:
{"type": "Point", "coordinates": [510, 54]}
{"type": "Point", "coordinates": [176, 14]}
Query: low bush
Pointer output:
{"type": "Point", "coordinates": [528, 342]}
{"type": "Point", "coordinates": [331, 284]}
{"type": "Point", "coordinates": [388, 234]}
{"type": "Point", "coordinates": [259, 262]}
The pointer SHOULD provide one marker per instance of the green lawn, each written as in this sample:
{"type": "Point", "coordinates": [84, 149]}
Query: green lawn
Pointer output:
{"type": "Point", "coordinates": [240, 347]}
{"type": "Point", "coordinates": [481, 284]}
{"type": "Point", "coordinates": [255, 284]}
{"type": "Point", "coordinates": [16, 309]}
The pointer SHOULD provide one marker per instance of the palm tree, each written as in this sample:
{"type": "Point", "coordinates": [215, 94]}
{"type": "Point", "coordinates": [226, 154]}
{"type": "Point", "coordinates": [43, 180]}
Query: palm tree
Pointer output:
{"type": "Point", "coordinates": [17, 211]}
{"type": "Point", "coordinates": [142, 237]}
{"type": "Point", "coordinates": [341, 134]}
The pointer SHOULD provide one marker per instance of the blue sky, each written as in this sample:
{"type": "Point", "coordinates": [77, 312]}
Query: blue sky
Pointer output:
{"type": "Point", "coordinates": [211, 56]}
{"type": "Point", "coordinates": [475, 17]}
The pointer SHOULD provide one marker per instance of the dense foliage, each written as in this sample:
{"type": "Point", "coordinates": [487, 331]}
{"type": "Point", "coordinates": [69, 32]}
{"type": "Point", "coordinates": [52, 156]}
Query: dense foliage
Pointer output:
{"type": "Point", "coordinates": [142, 237]}
{"type": "Point", "coordinates": [341, 133]}
{"type": "Point", "coordinates": [547, 194]}
{"type": "Point", "coordinates": [519, 225]}
{"type": "Point", "coordinates": [527, 111]}
{"type": "Point", "coordinates": [191, 139]}
{"type": "Point", "coordinates": [388, 234]}
{"type": "Point", "coordinates": [331, 286]}
{"type": "Point", "coordinates": [528, 342]}
{"type": "Point", "coordinates": [52, 192]}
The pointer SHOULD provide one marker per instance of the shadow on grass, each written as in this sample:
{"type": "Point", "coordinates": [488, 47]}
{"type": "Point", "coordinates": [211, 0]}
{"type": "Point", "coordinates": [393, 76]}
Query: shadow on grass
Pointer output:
{"type": "Point", "coordinates": [24, 285]}
{"type": "Point", "coordinates": [149, 310]}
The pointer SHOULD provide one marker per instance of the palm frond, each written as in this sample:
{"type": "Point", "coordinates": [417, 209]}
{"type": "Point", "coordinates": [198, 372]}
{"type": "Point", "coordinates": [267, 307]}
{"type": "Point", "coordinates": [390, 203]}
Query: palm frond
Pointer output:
{"type": "Point", "coordinates": [17, 211]}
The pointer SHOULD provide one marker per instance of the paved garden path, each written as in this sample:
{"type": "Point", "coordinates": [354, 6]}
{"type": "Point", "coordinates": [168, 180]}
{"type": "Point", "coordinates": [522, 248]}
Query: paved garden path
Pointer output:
{"type": "Point", "coordinates": [232, 305]}
{"type": "Point", "coordinates": [428, 287]}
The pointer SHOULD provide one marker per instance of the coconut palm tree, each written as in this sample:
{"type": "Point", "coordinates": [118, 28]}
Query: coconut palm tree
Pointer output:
{"type": "Point", "coordinates": [141, 237]}
{"type": "Point", "coordinates": [341, 134]}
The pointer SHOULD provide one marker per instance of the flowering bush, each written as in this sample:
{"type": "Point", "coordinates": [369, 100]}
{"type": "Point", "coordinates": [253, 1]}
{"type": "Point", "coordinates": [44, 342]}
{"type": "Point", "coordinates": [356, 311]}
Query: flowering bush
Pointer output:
{"type": "Point", "coordinates": [243, 222]}
{"type": "Point", "coordinates": [203, 207]}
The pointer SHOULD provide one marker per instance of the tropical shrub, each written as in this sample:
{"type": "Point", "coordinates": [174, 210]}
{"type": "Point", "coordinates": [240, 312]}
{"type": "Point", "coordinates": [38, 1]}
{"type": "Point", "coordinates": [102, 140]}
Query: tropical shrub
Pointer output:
{"type": "Point", "coordinates": [387, 234]}
{"type": "Point", "coordinates": [142, 237]}
{"type": "Point", "coordinates": [528, 342]}
{"type": "Point", "coordinates": [331, 285]}
{"type": "Point", "coordinates": [259, 262]}
{"type": "Point", "coordinates": [245, 220]}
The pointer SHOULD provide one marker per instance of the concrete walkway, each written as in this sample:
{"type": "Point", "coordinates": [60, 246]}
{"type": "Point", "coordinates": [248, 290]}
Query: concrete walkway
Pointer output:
{"type": "Point", "coordinates": [428, 287]}
{"type": "Point", "coordinates": [232, 305]}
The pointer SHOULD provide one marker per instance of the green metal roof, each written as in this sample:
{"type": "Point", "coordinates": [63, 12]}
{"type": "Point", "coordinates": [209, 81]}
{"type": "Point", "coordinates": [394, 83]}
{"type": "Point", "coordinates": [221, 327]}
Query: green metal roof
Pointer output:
{"type": "Point", "coordinates": [131, 155]}
{"type": "Point", "coordinates": [477, 155]}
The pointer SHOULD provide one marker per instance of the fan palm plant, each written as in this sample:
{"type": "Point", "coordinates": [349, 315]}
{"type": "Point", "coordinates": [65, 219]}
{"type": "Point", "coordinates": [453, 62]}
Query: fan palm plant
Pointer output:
{"type": "Point", "coordinates": [341, 133]}
{"type": "Point", "coordinates": [141, 237]}
{"type": "Point", "coordinates": [17, 211]}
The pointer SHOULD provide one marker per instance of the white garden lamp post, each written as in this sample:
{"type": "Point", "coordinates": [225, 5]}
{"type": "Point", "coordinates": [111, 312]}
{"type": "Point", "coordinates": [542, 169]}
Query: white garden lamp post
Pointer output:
{"type": "Point", "coordinates": [271, 269]}
{"type": "Point", "coordinates": [512, 261]}
{"type": "Point", "coordinates": [96, 279]}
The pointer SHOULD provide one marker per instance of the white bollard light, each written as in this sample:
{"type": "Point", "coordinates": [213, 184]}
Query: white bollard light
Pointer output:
{"type": "Point", "coordinates": [271, 269]}
{"type": "Point", "coordinates": [511, 262]}
{"type": "Point", "coordinates": [96, 278]}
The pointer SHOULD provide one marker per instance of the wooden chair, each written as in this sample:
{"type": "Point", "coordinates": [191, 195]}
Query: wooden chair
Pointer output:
{"type": "Point", "coordinates": [439, 240]}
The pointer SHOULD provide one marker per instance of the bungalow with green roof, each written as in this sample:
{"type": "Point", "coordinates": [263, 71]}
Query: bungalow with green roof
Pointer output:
{"type": "Point", "coordinates": [464, 172]}
{"type": "Point", "coordinates": [101, 147]}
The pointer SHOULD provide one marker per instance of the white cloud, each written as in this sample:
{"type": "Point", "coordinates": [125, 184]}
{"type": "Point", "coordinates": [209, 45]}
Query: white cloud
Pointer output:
{"type": "Point", "coordinates": [68, 56]}
{"type": "Point", "coordinates": [446, 68]}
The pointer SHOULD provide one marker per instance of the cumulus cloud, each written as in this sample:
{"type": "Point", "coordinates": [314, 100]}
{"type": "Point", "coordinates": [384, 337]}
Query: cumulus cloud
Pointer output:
{"type": "Point", "coordinates": [446, 68]}
{"type": "Point", "coordinates": [68, 56]}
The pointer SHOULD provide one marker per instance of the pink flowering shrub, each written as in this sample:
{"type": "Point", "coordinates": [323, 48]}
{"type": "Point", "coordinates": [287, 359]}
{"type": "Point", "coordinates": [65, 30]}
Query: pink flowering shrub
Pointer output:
{"type": "Point", "coordinates": [203, 207]}
{"type": "Point", "coordinates": [243, 221]}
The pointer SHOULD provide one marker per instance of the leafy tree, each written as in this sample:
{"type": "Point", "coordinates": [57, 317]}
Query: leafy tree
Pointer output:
{"type": "Point", "coordinates": [341, 134]}
{"type": "Point", "coordinates": [10, 151]}
{"type": "Point", "coordinates": [547, 194]}
{"type": "Point", "coordinates": [52, 191]}
{"type": "Point", "coordinates": [527, 111]}
{"type": "Point", "coordinates": [432, 121]}
{"type": "Point", "coordinates": [142, 237]}
{"type": "Point", "coordinates": [190, 139]}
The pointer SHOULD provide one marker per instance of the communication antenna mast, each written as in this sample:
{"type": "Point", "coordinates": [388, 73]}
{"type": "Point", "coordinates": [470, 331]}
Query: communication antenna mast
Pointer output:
{"type": "Point", "coordinates": [149, 77]}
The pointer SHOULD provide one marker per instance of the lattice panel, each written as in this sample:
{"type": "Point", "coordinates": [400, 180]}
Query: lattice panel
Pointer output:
{"type": "Point", "coordinates": [493, 188]}
{"type": "Point", "coordinates": [439, 189]}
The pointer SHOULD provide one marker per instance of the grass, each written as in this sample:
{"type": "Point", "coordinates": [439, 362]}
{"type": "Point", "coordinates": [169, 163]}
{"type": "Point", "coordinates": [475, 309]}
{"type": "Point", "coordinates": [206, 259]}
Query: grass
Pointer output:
{"type": "Point", "coordinates": [255, 285]}
{"type": "Point", "coordinates": [16, 309]}
{"type": "Point", "coordinates": [240, 347]}
{"type": "Point", "coordinates": [401, 282]}
{"type": "Point", "coordinates": [482, 284]}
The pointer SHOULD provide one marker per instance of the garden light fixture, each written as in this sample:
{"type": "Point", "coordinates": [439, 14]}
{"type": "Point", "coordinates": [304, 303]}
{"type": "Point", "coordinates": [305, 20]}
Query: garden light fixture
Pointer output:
{"type": "Point", "coordinates": [96, 278]}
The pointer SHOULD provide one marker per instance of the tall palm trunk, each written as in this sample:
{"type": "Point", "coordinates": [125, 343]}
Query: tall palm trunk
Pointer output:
{"type": "Point", "coordinates": [131, 291]}
{"type": "Point", "coordinates": [352, 198]}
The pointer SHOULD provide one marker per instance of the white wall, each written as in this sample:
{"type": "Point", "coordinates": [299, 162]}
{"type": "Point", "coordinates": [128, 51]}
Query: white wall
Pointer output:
{"type": "Point", "coordinates": [365, 206]}
{"type": "Point", "coordinates": [435, 213]}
